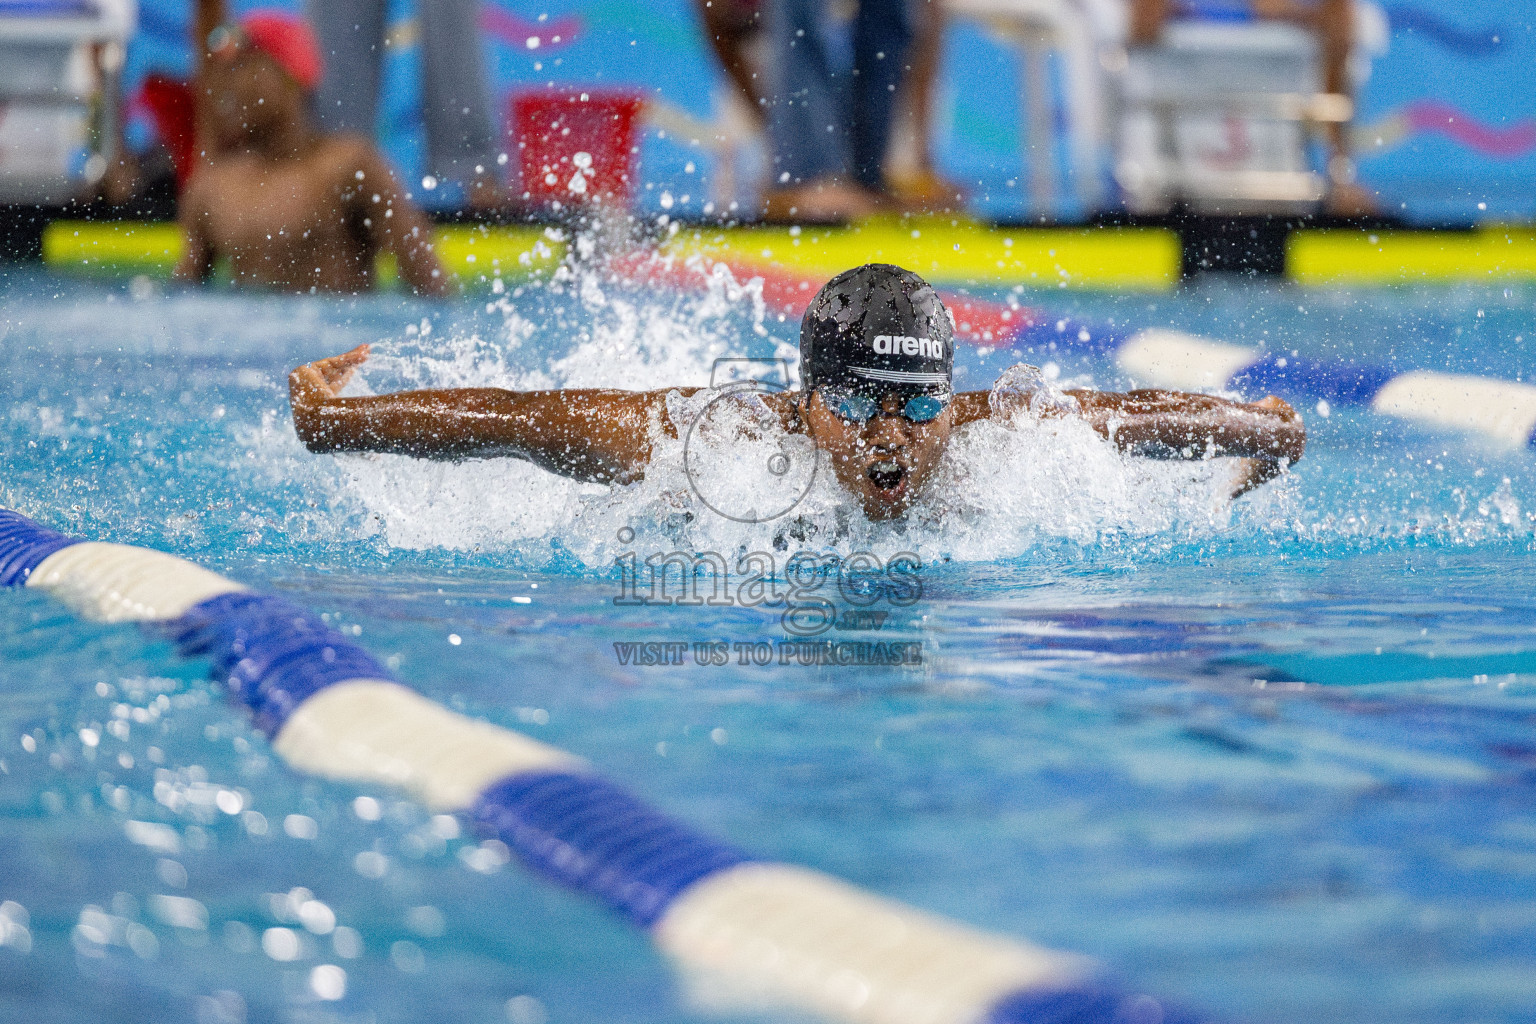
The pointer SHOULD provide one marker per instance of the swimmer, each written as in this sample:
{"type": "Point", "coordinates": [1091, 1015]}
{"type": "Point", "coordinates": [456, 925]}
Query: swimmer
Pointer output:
{"type": "Point", "coordinates": [290, 209]}
{"type": "Point", "coordinates": [876, 360]}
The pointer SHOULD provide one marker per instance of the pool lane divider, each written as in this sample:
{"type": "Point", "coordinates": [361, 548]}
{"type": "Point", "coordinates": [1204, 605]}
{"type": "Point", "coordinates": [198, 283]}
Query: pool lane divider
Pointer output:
{"type": "Point", "coordinates": [771, 933]}
{"type": "Point", "coordinates": [949, 251]}
{"type": "Point", "coordinates": [953, 251]}
{"type": "Point", "coordinates": [1368, 257]}
{"type": "Point", "coordinates": [469, 253]}
{"type": "Point", "coordinates": [961, 253]}
{"type": "Point", "coordinates": [1502, 411]}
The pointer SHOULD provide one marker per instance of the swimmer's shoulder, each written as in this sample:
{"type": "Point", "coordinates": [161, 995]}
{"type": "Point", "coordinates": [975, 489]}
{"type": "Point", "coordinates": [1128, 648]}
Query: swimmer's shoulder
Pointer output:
{"type": "Point", "coordinates": [785, 405]}
{"type": "Point", "coordinates": [345, 155]}
{"type": "Point", "coordinates": [223, 181]}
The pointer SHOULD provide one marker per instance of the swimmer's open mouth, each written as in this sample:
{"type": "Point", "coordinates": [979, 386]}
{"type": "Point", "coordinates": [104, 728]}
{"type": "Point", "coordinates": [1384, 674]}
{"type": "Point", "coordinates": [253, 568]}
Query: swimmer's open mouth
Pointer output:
{"type": "Point", "coordinates": [886, 474]}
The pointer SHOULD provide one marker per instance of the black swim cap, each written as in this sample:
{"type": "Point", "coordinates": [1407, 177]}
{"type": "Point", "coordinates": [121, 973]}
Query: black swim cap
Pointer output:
{"type": "Point", "coordinates": [877, 329]}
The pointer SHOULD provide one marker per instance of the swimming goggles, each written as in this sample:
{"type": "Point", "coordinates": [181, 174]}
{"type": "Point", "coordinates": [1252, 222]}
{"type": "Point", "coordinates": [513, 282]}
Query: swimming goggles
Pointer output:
{"type": "Point", "coordinates": [857, 408]}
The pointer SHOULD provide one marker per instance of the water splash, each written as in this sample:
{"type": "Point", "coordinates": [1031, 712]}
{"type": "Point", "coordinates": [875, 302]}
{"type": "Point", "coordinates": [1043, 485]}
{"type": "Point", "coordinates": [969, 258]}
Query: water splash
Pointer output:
{"type": "Point", "coordinates": [1002, 490]}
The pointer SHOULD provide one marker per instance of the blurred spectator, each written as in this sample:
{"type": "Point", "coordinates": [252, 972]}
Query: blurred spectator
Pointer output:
{"type": "Point", "coordinates": [461, 144]}
{"type": "Point", "coordinates": [1333, 23]}
{"type": "Point", "coordinates": [910, 176]}
{"type": "Point", "coordinates": [171, 104]}
{"type": "Point", "coordinates": [733, 27]}
{"type": "Point", "coordinates": [828, 127]}
{"type": "Point", "coordinates": [288, 207]}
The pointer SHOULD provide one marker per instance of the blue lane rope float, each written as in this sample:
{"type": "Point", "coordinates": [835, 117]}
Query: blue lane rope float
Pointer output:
{"type": "Point", "coordinates": [1503, 411]}
{"type": "Point", "coordinates": [761, 932]}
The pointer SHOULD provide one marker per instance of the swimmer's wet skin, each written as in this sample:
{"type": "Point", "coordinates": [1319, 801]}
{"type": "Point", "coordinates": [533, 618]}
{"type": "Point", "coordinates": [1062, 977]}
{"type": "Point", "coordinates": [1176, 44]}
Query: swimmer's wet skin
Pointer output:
{"type": "Point", "coordinates": [877, 358]}
{"type": "Point", "coordinates": [291, 209]}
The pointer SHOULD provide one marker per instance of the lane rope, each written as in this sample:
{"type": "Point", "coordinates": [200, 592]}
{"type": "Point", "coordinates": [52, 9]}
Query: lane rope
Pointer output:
{"type": "Point", "coordinates": [1503, 411]}
{"type": "Point", "coordinates": [765, 932]}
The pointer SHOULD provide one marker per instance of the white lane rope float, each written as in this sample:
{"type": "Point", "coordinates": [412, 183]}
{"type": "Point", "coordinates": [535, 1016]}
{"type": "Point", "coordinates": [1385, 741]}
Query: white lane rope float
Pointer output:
{"type": "Point", "coordinates": [1503, 411]}
{"type": "Point", "coordinates": [768, 933]}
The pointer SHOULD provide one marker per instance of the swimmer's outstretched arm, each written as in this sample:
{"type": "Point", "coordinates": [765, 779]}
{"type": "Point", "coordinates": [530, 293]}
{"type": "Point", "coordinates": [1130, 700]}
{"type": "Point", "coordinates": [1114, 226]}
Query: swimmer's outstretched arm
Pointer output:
{"type": "Point", "coordinates": [587, 433]}
{"type": "Point", "coordinates": [1181, 425]}
{"type": "Point", "coordinates": [1267, 434]}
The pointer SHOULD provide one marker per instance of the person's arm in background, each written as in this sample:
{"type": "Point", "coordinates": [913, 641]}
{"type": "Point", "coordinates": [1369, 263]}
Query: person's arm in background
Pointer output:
{"type": "Point", "coordinates": [1147, 18]}
{"type": "Point", "coordinates": [1156, 424]}
{"type": "Point", "coordinates": [196, 262]}
{"type": "Point", "coordinates": [729, 25]}
{"type": "Point", "coordinates": [397, 225]}
{"type": "Point", "coordinates": [590, 434]}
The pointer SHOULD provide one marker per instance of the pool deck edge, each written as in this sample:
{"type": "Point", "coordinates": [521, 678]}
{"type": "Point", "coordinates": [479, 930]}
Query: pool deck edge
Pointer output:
{"type": "Point", "coordinates": [951, 251]}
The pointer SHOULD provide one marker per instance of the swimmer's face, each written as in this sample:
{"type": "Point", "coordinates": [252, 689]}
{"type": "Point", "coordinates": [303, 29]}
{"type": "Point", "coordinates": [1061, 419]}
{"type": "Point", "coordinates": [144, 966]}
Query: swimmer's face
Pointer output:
{"type": "Point", "coordinates": [247, 96]}
{"type": "Point", "coordinates": [886, 460]}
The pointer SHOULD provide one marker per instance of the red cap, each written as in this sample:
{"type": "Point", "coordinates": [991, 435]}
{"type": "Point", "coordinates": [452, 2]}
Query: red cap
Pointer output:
{"type": "Point", "coordinates": [288, 40]}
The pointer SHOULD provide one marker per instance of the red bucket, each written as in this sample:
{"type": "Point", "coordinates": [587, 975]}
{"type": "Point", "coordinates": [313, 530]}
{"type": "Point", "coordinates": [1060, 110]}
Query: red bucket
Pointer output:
{"type": "Point", "coordinates": [575, 148]}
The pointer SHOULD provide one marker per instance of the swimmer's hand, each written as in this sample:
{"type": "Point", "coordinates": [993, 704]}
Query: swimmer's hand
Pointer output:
{"type": "Point", "coordinates": [1264, 436]}
{"type": "Point", "coordinates": [1183, 425]}
{"type": "Point", "coordinates": [1255, 471]}
{"type": "Point", "coordinates": [312, 384]}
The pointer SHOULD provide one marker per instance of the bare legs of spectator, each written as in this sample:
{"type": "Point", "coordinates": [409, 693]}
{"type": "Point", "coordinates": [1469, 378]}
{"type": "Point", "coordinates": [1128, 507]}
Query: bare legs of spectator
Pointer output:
{"type": "Point", "coordinates": [1147, 20]}
{"type": "Point", "coordinates": [461, 145]}
{"type": "Point", "coordinates": [909, 173]}
{"type": "Point", "coordinates": [1335, 22]}
{"type": "Point", "coordinates": [730, 26]}
{"type": "Point", "coordinates": [828, 128]}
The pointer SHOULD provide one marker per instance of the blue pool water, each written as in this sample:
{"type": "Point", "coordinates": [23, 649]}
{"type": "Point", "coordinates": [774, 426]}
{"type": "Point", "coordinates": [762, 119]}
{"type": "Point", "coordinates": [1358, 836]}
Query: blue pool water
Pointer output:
{"type": "Point", "coordinates": [1275, 761]}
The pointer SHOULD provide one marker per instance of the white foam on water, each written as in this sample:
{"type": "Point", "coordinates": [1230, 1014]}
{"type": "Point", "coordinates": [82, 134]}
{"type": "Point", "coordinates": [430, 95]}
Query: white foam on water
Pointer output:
{"type": "Point", "coordinates": [1002, 489]}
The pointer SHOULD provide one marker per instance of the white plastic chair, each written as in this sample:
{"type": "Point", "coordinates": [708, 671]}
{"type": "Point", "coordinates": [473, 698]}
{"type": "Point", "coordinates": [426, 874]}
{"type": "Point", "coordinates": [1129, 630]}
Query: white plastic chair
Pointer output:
{"type": "Point", "coordinates": [1217, 115]}
{"type": "Point", "coordinates": [60, 62]}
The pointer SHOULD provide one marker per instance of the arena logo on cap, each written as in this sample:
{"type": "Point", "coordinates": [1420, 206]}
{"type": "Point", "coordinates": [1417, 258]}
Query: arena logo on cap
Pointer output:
{"type": "Point", "coordinates": [906, 345]}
